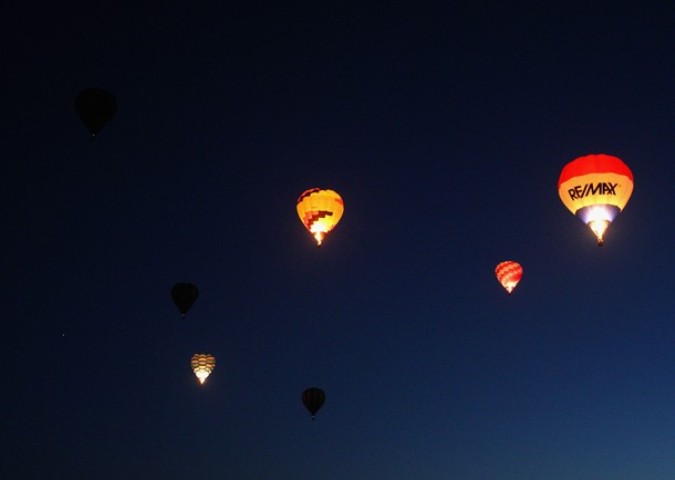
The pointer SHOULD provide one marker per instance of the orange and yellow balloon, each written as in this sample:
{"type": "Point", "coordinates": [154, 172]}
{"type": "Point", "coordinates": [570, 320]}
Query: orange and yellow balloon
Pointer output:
{"type": "Point", "coordinates": [320, 211]}
{"type": "Point", "coordinates": [596, 188]}
{"type": "Point", "coordinates": [509, 274]}
{"type": "Point", "coordinates": [203, 364]}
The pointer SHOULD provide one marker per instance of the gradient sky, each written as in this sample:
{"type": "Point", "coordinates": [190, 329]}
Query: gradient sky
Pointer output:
{"type": "Point", "coordinates": [444, 127]}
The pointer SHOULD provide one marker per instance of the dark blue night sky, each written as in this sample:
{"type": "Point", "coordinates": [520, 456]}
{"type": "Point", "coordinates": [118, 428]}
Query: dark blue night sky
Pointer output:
{"type": "Point", "coordinates": [444, 127]}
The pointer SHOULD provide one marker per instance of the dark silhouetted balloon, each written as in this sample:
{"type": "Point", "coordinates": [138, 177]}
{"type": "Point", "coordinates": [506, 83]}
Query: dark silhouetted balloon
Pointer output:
{"type": "Point", "coordinates": [184, 296]}
{"type": "Point", "coordinates": [313, 398]}
{"type": "Point", "coordinates": [96, 108]}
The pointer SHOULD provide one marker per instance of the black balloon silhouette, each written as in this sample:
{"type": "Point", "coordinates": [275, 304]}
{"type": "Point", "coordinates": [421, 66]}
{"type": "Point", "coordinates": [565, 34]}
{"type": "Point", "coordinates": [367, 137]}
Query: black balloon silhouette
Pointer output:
{"type": "Point", "coordinates": [184, 296]}
{"type": "Point", "coordinates": [96, 108]}
{"type": "Point", "coordinates": [313, 398]}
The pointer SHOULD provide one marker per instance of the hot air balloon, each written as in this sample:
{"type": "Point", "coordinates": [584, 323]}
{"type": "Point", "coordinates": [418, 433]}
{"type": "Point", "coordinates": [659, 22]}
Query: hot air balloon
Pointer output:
{"type": "Point", "coordinates": [313, 398]}
{"type": "Point", "coordinates": [509, 274]}
{"type": "Point", "coordinates": [596, 188]}
{"type": "Point", "coordinates": [203, 364]}
{"type": "Point", "coordinates": [320, 211]}
{"type": "Point", "coordinates": [184, 296]}
{"type": "Point", "coordinates": [96, 108]}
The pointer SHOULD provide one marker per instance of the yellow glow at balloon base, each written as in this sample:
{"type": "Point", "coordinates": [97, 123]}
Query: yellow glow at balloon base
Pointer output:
{"type": "Point", "coordinates": [319, 236]}
{"type": "Point", "coordinates": [599, 227]}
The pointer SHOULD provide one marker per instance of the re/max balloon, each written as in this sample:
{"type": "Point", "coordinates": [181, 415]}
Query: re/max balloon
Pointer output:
{"type": "Point", "coordinates": [313, 398]}
{"type": "Point", "coordinates": [184, 296]}
{"type": "Point", "coordinates": [96, 108]}
{"type": "Point", "coordinates": [320, 211]}
{"type": "Point", "coordinates": [596, 188]}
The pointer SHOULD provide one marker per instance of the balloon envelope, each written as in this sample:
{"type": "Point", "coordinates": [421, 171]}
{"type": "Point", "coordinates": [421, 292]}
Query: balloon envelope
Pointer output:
{"type": "Point", "coordinates": [203, 364]}
{"type": "Point", "coordinates": [509, 274]}
{"type": "Point", "coordinates": [313, 398]}
{"type": "Point", "coordinates": [184, 296]}
{"type": "Point", "coordinates": [96, 108]}
{"type": "Point", "coordinates": [596, 188]}
{"type": "Point", "coordinates": [320, 211]}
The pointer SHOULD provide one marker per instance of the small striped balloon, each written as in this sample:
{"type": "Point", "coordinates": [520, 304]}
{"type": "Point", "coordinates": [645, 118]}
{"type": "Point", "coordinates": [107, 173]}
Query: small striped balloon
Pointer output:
{"type": "Point", "coordinates": [509, 274]}
{"type": "Point", "coordinates": [203, 364]}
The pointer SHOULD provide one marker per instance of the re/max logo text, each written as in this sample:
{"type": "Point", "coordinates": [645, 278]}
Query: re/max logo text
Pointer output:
{"type": "Point", "coordinates": [600, 188]}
